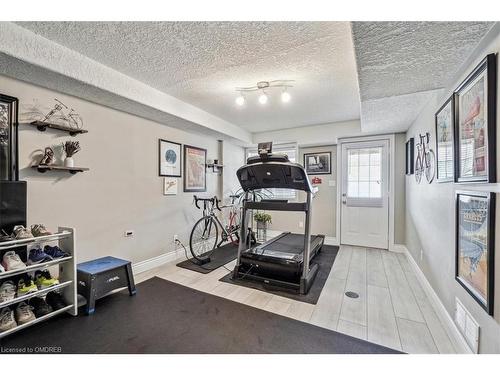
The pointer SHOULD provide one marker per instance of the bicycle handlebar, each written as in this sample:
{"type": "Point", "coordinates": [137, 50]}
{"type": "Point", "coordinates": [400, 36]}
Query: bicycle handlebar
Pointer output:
{"type": "Point", "coordinates": [214, 200]}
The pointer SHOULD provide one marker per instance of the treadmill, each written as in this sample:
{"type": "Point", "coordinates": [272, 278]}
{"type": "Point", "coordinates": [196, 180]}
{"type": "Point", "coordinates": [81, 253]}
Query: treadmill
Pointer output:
{"type": "Point", "coordinates": [283, 261]}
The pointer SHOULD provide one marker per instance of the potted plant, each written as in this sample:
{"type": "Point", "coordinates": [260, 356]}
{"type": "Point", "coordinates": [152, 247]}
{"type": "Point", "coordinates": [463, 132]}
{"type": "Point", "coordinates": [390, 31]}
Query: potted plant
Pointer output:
{"type": "Point", "coordinates": [70, 148]}
{"type": "Point", "coordinates": [262, 220]}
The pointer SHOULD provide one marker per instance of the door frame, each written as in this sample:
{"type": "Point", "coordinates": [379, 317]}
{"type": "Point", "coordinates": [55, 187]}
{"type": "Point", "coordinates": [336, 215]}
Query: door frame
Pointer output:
{"type": "Point", "coordinates": [391, 153]}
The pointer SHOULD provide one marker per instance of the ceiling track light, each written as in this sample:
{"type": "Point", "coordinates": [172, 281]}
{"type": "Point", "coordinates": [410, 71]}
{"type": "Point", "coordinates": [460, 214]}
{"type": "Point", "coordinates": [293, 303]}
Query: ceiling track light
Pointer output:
{"type": "Point", "coordinates": [263, 86]}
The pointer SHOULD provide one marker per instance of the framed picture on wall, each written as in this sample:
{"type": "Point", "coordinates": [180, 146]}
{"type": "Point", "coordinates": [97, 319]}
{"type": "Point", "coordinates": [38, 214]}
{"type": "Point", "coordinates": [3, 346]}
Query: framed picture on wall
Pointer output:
{"type": "Point", "coordinates": [195, 176]}
{"type": "Point", "coordinates": [8, 138]}
{"type": "Point", "coordinates": [169, 156]}
{"type": "Point", "coordinates": [475, 229]}
{"type": "Point", "coordinates": [170, 185]}
{"type": "Point", "coordinates": [410, 156]}
{"type": "Point", "coordinates": [475, 119]}
{"type": "Point", "coordinates": [318, 163]}
{"type": "Point", "coordinates": [445, 127]}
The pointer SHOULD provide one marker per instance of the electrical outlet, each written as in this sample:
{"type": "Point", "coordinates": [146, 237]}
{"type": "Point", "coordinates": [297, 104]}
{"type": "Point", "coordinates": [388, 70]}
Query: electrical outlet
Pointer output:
{"type": "Point", "coordinates": [129, 233]}
{"type": "Point", "coordinates": [176, 238]}
{"type": "Point", "coordinates": [301, 224]}
{"type": "Point", "coordinates": [421, 254]}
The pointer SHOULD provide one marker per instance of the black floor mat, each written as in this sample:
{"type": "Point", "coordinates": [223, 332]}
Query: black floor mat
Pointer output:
{"type": "Point", "coordinates": [324, 259]}
{"type": "Point", "coordinates": [221, 256]}
{"type": "Point", "coordinates": [165, 317]}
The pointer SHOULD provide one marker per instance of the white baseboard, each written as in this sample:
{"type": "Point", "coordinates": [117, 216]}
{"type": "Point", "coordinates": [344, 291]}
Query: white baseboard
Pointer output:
{"type": "Point", "coordinates": [151, 263]}
{"type": "Point", "coordinates": [398, 248]}
{"type": "Point", "coordinates": [456, 337]}
{"type": "Point", "coordinates": [332, 241]}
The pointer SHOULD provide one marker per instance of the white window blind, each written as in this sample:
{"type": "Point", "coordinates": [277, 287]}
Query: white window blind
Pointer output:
{"type": "Point", "coordinates": [290, 150]}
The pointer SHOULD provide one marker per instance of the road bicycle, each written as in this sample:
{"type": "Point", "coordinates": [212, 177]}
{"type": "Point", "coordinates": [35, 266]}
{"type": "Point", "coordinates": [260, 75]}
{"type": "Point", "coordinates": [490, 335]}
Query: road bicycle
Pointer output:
{"type": "Point", "coordinates": [426, 159]}
{"type": "Point", "coordinates": [205, 238]}
{"type": "Point", "coordinates": [57, 114]}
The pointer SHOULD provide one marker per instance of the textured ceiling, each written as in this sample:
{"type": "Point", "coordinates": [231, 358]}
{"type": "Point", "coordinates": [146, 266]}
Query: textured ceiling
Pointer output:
{"type": "Point", "coordinates": [202, 62]}
{"type": "Point", "coordinates": [400, 63]}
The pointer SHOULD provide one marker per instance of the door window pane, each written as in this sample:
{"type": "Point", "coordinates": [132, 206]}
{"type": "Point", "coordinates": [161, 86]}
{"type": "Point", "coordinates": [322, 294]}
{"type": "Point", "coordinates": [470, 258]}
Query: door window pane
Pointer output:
{"type": "Point", "coordinates": [364, 173]}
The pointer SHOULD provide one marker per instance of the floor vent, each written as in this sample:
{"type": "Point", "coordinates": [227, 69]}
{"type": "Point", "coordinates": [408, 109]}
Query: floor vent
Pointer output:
{"type": "Point", "coordinates": [352, 294]}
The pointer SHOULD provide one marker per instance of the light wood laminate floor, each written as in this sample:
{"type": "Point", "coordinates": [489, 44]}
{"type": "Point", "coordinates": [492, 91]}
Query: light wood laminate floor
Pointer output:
{"type": "Point", "coordinates": [392, 308]}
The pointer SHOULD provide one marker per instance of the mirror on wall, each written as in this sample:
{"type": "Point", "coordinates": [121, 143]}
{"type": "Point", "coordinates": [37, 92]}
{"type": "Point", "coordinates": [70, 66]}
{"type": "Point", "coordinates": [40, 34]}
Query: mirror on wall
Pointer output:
{"type": "Point", "coordinates": [8, 138]}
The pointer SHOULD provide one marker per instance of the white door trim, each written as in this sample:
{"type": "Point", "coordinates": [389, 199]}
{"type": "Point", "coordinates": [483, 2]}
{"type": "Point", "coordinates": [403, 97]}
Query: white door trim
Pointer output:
{"type": "Point", "coordinates": [391, 138]}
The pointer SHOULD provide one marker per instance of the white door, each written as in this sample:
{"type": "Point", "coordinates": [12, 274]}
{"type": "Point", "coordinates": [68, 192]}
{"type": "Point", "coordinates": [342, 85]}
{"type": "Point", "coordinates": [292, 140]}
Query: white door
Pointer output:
{"type": "Point", "coordinates": [364, 219]}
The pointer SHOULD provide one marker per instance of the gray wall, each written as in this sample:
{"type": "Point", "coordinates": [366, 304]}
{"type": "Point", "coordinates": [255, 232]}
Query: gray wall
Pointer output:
{"type": "Point", "coordinates": [430, 225]}
{"type": "Point", "coordinates": [324, 203]}
{"type": "Point", "coordinates": [122, 190]}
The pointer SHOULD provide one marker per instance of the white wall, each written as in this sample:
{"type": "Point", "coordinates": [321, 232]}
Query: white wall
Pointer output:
{"type": "Point", "coordinates": [430, 225]}
{"type": "Point", "coordinates": [122, 190]}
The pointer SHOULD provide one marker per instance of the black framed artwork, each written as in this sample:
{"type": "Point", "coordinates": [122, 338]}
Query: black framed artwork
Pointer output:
{"type": "Point", "coordinates": [318, 163]}
{"type": "Point", "coordinates": [445, 154]}
{"type": "Point", "coordinates": [410, 156]}
{"type": "Point", "coordinates": [474, 253]}
{"type": "Point", "coordinates": [195, 172]}
{"type": "Point", "coordinates": [9, 170]}
{"type": "Point", "coordinates": [169, 158]}
{"type": "Point", "coordinates": [475, 124]}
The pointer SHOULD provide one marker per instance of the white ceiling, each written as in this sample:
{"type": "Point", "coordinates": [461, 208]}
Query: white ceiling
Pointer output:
{"type": "Point", "coordinates": [400, 65]}
{"type": "Point", "coordinates": [202, 62]}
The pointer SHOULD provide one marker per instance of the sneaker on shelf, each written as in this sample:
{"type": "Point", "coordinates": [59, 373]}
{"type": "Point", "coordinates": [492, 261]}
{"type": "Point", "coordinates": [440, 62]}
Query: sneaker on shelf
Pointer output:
{"type": "Point", "coordinates": [1, 268]}
{"type": "Point", "coordinates": [24, 313]}
{"type": "Point", "coordinates": [4, 236]}
{"type": "Point", "coordinates": [40, 307]}
{"type": "Point", "coordinates": [55, 300]}
{"type": "Point", "coordinates": [21, 233]}
{"type": "Point", "coordinates": [7, 320]}
{"type": "Point", "coordinates": [37, 255]}
{"type": "Point", "coordinates": [25, 285]}
{"type": "Point", "coordinates": [11, 261]}
{"type": "Point", "coordinates": [7, 291]}
{"type": "Point", "coordinates": [39, 230]}
{"type": "Point", "coordinates": [43, 279]}
{"type": "Point", "coordinates": [55, 252]}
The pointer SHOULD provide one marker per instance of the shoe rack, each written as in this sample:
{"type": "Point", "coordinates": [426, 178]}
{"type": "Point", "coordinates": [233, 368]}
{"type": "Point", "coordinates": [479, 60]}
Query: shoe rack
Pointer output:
{"type": "Point", "coordinates": [66, 267]}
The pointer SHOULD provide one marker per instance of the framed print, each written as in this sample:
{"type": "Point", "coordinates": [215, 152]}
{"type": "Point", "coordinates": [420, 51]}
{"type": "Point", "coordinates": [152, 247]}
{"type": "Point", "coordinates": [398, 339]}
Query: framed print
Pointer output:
{"type": "Point", "coordinates": [169, 156]}
{"type": "Point", "coordinates": [474, 257]}
{"type": "Point", "coordinates": [195, 176]}
{"type": "Point", "coordinates": [410, 156]}
{"type": "Point", "coordinates": [318, 163]}
{"type": "Point", "coordinates": [170, 185]}
{"type": "Point", "coordinates": [9, 170]}
{"type": "Point", "coordinates": [475, 119]}
{"type": "Point", "coordinates": [445, 126]}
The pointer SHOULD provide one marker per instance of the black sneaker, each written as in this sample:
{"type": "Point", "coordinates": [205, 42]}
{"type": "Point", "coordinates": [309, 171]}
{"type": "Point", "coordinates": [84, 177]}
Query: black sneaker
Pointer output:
{"type": "Point", "coordinates": [55, 300]}
{"type": "Point", "coordinates": [40, 307]}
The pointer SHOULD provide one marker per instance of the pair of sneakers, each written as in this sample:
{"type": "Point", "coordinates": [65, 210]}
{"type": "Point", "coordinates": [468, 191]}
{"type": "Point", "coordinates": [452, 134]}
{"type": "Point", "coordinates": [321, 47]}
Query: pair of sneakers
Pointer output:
{"type": "Point", "coordinates": [21, 233]}
{"type": "Point", "coordinates": [23, 314]}
{"type": "Point", "coordinates": [37, 255]}
{"type": "Point", "coordinates": [12, 261]}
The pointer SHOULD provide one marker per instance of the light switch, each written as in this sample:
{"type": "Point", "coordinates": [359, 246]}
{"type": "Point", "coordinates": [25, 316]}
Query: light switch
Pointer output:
{"type": "Point", "coordinates": [331, 183]}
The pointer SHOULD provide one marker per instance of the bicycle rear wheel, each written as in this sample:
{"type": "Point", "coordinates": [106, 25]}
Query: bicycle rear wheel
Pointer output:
{"type": "Point", "coordinates": [203, 238]}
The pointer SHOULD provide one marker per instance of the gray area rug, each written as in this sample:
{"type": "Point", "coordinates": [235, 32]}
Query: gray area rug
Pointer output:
{"type": "Point", "coordinates": [165, 317]}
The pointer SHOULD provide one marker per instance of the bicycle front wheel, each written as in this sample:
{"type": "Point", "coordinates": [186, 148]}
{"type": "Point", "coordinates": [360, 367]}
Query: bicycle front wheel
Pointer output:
{"type": "Point", "coordinates": [430, 166]}
{"type": "Point", "coordinates": [203, 239]}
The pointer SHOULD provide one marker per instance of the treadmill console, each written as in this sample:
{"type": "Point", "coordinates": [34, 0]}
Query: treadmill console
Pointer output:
{"type": "Point", "coordinates": [265, 148]}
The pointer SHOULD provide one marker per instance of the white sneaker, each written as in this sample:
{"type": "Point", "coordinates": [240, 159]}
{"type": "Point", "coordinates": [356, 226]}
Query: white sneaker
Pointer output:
{"type": "Point", "coordinates": [21, 233]}
{"type": "Point", "coordinates": [24, 313]}
{"type": "Point", "coordinates": [7, 320]}
{"type": "Point", "coordinates": [11, 261]}
{"type": "Point", "coordinates": [7, 291]}
{"type": "Point", "coordinates": [1, 268]}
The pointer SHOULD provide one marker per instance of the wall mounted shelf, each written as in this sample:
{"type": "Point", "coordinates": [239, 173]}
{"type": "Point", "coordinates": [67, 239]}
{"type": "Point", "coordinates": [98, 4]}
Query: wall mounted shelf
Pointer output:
{"type": "Point", "coordinates": [72, 170]}
{"type": "Point", "coordinates": [216, 168]}
{"type": "Point", "coordinates": [42, 126]}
